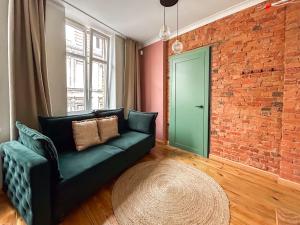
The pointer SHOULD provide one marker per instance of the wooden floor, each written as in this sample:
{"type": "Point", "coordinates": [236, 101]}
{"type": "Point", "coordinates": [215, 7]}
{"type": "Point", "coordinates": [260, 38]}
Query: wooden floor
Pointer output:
{"type": "Point", "coordinates": [254, 198]}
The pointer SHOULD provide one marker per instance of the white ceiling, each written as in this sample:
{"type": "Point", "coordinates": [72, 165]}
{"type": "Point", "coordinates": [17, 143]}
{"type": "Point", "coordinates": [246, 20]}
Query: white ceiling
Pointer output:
{"type": "Point", "coordinates": [142, 19]}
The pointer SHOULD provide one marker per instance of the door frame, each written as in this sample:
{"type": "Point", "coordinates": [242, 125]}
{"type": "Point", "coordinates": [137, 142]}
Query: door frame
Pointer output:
{"type": "Point", "coordinates": [207, 64]}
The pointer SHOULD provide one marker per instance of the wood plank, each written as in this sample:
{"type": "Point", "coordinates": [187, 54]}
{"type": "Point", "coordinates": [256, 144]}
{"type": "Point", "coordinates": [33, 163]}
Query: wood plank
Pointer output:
{"type": "Point", "coordinates": [253, 197]}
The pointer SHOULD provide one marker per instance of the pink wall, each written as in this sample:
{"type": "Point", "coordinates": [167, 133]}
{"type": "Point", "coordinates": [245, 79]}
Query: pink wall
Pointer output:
{"type": "Point", "coordinates": [153, 84]}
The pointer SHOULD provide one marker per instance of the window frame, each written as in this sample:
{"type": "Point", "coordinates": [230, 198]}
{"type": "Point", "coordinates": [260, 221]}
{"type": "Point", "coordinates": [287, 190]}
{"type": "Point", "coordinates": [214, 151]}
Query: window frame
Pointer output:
{"type": "Point", "coordinates": [88, 59]}
{"type": "Point", "coordinates": [92, 58]}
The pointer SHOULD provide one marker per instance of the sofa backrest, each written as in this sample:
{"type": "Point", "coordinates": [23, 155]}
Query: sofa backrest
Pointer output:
{"type": "Point", "coordinates": [59, 129]}
{"type": "Point", "coordinates": [122, 125]}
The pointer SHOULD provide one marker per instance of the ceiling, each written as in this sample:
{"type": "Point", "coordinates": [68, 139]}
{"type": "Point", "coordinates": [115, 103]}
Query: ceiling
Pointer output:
{"type": "Point", "coordinates": [142, 19]}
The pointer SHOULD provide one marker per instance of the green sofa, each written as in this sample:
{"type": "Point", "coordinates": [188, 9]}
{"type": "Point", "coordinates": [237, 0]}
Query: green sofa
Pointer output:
{"type": "Point", "coordinates": [39, 195]}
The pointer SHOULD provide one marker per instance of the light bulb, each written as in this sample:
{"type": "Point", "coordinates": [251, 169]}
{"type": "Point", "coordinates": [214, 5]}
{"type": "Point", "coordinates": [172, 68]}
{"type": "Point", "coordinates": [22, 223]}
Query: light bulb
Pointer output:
{"type": "Point", "coordinates": [164, 33]}
{"type": "Point", "coordinates": [177, 47]}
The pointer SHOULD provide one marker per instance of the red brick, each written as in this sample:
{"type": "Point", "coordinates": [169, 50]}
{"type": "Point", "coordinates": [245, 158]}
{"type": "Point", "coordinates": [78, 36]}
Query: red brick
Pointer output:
{"type": "Point", "coordinates": [255, 114]}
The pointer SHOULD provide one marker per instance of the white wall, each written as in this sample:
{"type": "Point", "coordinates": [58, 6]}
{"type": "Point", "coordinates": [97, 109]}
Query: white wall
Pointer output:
{"type": "Point", "coordinates": [56, 57]}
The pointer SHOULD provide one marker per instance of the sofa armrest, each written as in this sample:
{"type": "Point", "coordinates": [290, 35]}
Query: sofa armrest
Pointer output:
{"type": "Point", "coordinates": [26, 180]}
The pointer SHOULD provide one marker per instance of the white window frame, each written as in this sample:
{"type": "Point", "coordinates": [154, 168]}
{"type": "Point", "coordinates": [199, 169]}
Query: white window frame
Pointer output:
{"type": "Point", "coordinates": [88, 59]}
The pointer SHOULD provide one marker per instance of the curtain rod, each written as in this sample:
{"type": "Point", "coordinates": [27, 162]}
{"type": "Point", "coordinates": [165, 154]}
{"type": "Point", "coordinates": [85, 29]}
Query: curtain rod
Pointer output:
{"type": "Point", "coordinates": [94, 18]}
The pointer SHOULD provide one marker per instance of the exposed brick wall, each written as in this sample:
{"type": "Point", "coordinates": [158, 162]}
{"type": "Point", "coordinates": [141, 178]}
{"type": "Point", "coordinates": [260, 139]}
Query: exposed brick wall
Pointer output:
{"type": "Point", "coordinates": [248, 79]}
{"type": "Point", "coordinates": [290, 145]}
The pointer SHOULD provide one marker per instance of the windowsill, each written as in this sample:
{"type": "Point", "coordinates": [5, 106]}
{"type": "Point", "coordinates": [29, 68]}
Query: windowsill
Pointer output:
{"type": "Point", "coordinates": [87, 111]}
{"type": "Point", "coordinates": [78, 113]}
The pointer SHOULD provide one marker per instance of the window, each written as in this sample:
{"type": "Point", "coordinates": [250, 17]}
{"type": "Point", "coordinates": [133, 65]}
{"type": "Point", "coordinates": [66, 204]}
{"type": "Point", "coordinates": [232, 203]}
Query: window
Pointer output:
{"type": "Point", "coordinates": [87, 68]}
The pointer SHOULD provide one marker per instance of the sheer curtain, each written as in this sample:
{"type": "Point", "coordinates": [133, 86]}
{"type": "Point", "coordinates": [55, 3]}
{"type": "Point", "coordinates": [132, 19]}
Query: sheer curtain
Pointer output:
{"type": "Point", "coordinates": [132, 92]}
{"type": "Point", "coordinates": [28, 84]}
{"type": "Point", "coordinates": [115, 90]}
{"type": "Point", "coordinates": [111, 80]}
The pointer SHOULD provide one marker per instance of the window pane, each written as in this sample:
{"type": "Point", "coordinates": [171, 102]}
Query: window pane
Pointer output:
{"type": "Point", "coordinates": [100, 47]}
{"type": "Point", "coordinates": [82, 96]}
{"type": "Point", "coordinates": [75, 40]}
{"type": "Point", "coordinates": [88, 44]}
{"type": "Point", "coordinates": [75, 84]}
{"type": "Point", "coordinates": [98, 85]}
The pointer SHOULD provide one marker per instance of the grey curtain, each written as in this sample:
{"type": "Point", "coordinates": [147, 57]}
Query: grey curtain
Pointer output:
{"type": "Point", "coordinates": [132, 89]}
{"type": "Point", "coordinates": [29, 92]}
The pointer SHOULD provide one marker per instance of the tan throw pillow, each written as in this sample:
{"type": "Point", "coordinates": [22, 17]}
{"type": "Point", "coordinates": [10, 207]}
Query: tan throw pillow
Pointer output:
{"type": "Point", "coordinates": [108, 128]}
{"type": "Point", "coordinates": [85, 134]}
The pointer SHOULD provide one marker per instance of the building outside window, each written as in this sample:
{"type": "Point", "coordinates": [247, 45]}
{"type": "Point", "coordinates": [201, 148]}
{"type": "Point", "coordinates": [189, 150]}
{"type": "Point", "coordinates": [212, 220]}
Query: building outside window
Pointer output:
{"type": "Point", "coordinates": [87, 62]}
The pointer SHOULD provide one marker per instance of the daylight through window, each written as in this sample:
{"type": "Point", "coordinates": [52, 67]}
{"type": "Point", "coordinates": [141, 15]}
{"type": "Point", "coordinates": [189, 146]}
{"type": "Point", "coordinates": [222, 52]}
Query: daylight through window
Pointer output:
{"type": "Point", "coordinates": [87, 68]}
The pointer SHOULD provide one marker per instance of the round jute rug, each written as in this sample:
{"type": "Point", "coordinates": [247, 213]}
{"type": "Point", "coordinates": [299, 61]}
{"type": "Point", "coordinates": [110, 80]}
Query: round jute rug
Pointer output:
{"type": "Point", "coordinates": [168, 193]}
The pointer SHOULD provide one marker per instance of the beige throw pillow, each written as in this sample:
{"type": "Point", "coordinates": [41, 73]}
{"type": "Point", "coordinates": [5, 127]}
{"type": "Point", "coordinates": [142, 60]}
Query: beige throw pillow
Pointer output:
{"type": "Point", "coordinates": [108, 128]}
{"type": "Point", "coordinates": [85, 134]}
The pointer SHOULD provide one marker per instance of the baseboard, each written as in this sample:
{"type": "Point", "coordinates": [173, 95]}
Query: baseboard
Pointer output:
{"type": "Point", "coordinates": [161, 142]}
{"type": "Point", "coordinates": [247, 168]}
{"type": "Point", "coordinates": [288, 183]}
{"type": "Point", "coordinates": [275, 177]}
{"type": "Point", "coordinates": [251, 169]}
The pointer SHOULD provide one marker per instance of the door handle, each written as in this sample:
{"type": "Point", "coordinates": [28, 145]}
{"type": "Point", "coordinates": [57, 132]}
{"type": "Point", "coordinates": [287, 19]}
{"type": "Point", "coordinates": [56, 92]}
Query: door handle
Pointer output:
{"type": "Point", "coordinates": [199, 106]}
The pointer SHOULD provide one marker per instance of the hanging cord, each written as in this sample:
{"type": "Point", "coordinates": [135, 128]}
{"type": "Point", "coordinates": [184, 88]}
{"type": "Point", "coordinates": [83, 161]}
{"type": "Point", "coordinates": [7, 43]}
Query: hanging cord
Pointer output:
{"type": "Point", "coordinates": [164, 16]}
{"type": "Point", "coordinates": [177, 19]}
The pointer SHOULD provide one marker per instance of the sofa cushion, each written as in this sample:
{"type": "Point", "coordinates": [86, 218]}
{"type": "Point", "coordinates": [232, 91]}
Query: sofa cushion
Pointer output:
{"type": "Point", "coordinates": [108, 128]}
{"type": "Point", "coordinates": [128, 139]}
{"type": "Point", "coordinates": [85, 134]}
{"type": "Point", "coordinates": [113, 112]}
{"type": "Point", "coordinates": [84, 172]}
{"type": "Point", "coordinates": [141, 121]}
{"type": "Point", "coordinates": [40, 144]}
{"type": "Point", "coordinates": [59, 129]}
{"type": "Point", "coordinates": [134, 144]}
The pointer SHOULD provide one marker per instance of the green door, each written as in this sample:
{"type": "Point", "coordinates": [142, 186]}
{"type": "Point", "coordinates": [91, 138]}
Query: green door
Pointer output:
{"type": "Point", "coordinates": [189, 108]}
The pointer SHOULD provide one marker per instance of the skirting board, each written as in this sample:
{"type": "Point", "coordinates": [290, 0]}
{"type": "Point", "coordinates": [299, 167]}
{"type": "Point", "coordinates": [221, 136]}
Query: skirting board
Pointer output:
{"type": "Point", "coordinates": [254, 170]}
{"type": "Point", "coordinates": [288, 183]}
{"type": "Point", "coordinates": [161, 142]}
{"type": "Point", "coordinates": [275, 177]}
{"type": "Point", "coordinates": [244, 167]}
